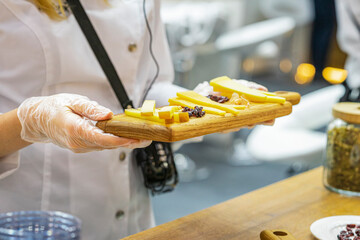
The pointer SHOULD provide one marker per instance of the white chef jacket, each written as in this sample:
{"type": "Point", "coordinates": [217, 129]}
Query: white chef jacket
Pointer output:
{"type": "Point", "coordinates": [349, 38]}
{"type": "Point", "coordinates": [39, 56]}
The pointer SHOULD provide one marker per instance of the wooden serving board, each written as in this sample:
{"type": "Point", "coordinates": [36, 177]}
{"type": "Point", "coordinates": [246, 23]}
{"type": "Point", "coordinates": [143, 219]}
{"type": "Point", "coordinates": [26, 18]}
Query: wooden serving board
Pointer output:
{"type": "Point", "coordinates": [130, 127]}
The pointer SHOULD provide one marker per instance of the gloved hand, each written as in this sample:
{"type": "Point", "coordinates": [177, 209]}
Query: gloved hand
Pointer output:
{"type": "Point", "coordinates": [205, 89]}
{"type": "Point", "coordinates": [65, 120]}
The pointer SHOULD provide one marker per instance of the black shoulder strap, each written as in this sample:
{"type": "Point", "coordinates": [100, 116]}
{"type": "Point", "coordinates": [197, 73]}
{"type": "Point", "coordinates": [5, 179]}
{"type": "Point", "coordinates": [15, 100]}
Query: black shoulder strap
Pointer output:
{"type": "Point", "coordinates": [100, 52]}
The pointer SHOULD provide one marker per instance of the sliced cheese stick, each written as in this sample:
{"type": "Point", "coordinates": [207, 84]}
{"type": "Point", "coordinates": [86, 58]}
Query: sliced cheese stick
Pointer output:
{"type": "Point", "coordinates": [227, 86]}
{"type": "Point", "coordinates": [232, 86]}
{"type": "Point", "coordinates": [206, 102]}
{"type": "Point", "coordinates": [275, 99]}
{"type": "Point", "coordinates": [238, 107]}
{"type": "Point", "coordinates": [186, 103]}
{"type": "Point", "coordinates": [229, 93]}
{"type": "Point", "coordinates": [137, 114]}
{"type": "Point", "coordinates": [225, 78]}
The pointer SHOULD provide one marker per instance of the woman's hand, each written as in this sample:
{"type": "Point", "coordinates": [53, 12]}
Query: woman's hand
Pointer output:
{"type": "Point", "coordinates": [65, 120]}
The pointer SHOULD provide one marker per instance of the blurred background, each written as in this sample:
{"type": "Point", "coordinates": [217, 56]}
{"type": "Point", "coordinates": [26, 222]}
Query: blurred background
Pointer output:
{"type": "Point", "coordinates": [281, 44]}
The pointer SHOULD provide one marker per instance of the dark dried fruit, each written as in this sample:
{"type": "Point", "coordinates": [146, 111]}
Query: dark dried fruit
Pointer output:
{"type": "Point", "coordinates": [196, 112]}
{"type": "Point", "coordinates": [219, 99]}
{"type": "Point", "coordinates": [348, 234]}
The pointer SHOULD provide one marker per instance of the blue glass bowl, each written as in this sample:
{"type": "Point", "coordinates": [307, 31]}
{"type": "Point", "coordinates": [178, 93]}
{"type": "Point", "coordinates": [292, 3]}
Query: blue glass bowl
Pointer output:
{"type": "Point", "coordinates": [39, 225]}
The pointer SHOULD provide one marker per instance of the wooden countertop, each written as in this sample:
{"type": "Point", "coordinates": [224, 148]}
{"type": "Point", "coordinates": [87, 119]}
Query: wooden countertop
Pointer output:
{"type": "Point", "coordinates": [292, 204]}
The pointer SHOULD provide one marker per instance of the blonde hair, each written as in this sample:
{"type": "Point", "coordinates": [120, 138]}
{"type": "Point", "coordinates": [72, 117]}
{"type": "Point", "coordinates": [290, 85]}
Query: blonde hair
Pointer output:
{"type": "Point", "coordinates": [53, 8]}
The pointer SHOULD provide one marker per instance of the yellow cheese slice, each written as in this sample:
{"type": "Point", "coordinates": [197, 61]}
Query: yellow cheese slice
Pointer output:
{"type": "Point", "coordinates": [225, 78]}
{"type": "Point", "coordinates": [227, 86]}
{"type": "Point", "coordinates": [186, 103]}
{"type": "Point", "coordinates": [148, 108]}
{"type": "Point", "coordinates": [275, 99]}
{"type": "Point", "coordinates": [137, 114]}
{"type": "Point", "coordinates": [206, 102]}
{"type": "Point", "coordinates": [223, 93]}
{"type": "Point", "coordinates": [167, 112]}
{"type": "Point", "coordinates": [232, 86]}
{"type": "Point", "coordinates": [266, 93]}
{"type": "Point", "coordinates": [220, 79]}
{"type": "Point", "coordinates": [239, 107]}
{"type": "Point", "coordinates": [229, 93]}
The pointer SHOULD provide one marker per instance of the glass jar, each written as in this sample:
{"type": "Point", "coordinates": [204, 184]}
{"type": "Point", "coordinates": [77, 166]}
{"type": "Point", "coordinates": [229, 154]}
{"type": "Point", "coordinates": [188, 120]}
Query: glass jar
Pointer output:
{"type": "Point", "coordinates": [342, 163]}
{"type": "Point", "coordinates": [39, 225]}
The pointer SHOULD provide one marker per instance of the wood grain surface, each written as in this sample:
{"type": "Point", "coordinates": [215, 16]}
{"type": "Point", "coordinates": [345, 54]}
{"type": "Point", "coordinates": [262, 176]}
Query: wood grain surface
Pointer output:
{"type": "Point", "coordinates": [130, 127]}
{"type": "Point", "coordinates": [293, 204]}
{"type": "Point", "coordinates": [276, 234]}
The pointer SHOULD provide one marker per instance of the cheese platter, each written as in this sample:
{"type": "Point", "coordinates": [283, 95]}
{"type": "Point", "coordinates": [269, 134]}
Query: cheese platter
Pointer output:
{"type": "Point", "coordinates": [191, 115]}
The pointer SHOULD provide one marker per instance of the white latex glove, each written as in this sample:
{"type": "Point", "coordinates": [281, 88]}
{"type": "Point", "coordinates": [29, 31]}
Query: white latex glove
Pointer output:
{"type": "Point", "coordinates": [65, 120]}
{"type": "Point", "coordinates": [205, 89]}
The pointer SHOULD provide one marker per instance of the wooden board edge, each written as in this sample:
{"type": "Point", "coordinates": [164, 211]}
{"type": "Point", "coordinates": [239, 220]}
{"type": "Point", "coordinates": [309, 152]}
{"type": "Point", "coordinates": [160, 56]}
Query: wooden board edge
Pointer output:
{"type": "Point", "coordinates": [292, 97]}
{"type": "Point", "coordinates": [102, 124]}
{"type": "Point", "coordinates": [177, 135]}
{"type": "Point", "coordinates": [162, 133]}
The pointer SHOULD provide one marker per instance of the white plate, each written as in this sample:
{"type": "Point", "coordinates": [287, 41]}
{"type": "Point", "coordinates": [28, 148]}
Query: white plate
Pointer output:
{"type": "Point", "coordinates": [328, 228]}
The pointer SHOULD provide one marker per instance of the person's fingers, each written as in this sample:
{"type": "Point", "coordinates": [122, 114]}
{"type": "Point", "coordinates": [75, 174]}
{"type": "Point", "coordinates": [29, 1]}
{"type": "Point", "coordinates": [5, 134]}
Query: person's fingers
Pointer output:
{"type": "Point", "coordinates": [127, 143]}
{"type": "Point", "coordinates": [83, 146]}
{"type": "Point", "coordinates": [252, 85]}
{"type": "Point", "coordinates": [269, 123]}
{"type": "Point", "coordinates": [97, 136]}
{"type": "Point", "coordinates": [231, 130]}
{"type": "Point", "coordinates": [80, 128]}
{"type": "Point", "coordinates": [266, 123]}
{"type": "Point", "coordinates": [250, 126]}
{"type": "Point", "coordinates": [140, 144]}
{"type": "Point", "coordinates": [258, 87]}
{"type": "Point", "coordinates": [82, 136]}
{"type": "Point", "coordinates": [90, 109]}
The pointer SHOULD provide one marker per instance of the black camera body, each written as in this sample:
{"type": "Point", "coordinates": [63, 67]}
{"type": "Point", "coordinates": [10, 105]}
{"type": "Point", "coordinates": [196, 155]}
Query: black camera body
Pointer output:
{"type": "Point", "coordinates": [158, 167]}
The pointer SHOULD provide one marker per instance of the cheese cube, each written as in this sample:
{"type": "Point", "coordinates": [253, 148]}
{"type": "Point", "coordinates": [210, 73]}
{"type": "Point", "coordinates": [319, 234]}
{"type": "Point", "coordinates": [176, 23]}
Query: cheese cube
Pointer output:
{"type": "Point", "coordinates": [148, 108]}
{"type": "Point", "coordinates": [181, 117]}
{"type": "Point", "coordinates": [167, 112]}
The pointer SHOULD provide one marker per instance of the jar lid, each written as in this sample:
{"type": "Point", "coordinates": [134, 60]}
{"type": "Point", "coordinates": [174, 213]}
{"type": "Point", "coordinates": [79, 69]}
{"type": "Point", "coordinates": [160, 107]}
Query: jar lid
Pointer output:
{"type": "Point", "coordinates": [347, 111]}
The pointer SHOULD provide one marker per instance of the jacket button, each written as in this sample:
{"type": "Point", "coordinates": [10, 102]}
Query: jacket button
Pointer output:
{"type": "Point", "coordinates": [122, 156]}
{"type": "Point", "coordinates": [132, 47]}
{"type": "Point", "coordinates": [119, 214]}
